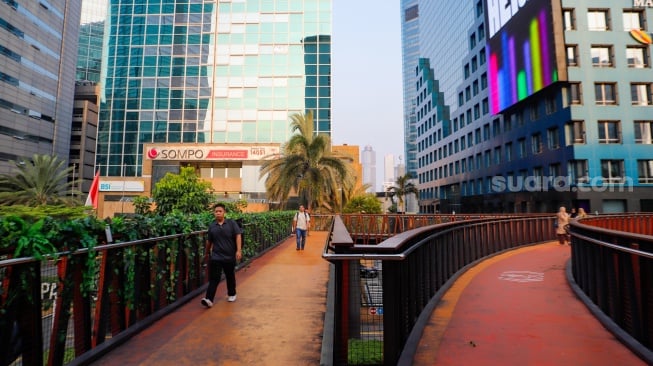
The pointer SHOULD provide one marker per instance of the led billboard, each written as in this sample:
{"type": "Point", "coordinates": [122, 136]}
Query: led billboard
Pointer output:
{"type": "Point", "coordinates": [525, 49]}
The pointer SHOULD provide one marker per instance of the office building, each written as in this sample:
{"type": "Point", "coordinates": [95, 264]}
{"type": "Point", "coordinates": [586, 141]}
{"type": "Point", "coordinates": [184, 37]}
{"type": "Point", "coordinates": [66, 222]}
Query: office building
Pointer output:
{"type": "Point", "coordinates": [536, 105]}
{"type": "Point", "coordinates": [38, 48]}
{"type": "Point", "coordinates": [211, 85]}
{"type": "Point", "coordinates": [368, 160]}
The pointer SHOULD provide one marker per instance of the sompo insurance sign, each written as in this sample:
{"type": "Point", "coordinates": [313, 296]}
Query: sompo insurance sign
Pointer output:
{"type": "Point", "coordinates": [211, 153]}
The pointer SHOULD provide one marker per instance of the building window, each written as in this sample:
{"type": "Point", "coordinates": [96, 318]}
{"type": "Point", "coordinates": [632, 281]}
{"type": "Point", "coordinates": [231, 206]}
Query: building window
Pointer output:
{"type": "Point", "coordinates": [535, 112]}
{"type": "Point", "coordinates": [484, 81]}
{"type": "Point", "coordinates": [641, 93]}
{"type": "Point", "coordinates": [601, 56]}
{"type": "Point", "coordinates": [575, 93]}
{"type": "Point", "coordinates": [474, 64]}
{"type": "Point", "coordinates": [508, 149]}
{"type": "Point", "coordinates": [466, 70]}
{"type": "Point", "coordinates": [553, 138]}
{"type": "Point", "coordinates": [536, 143]}
{"type": "Point", "coordinates": [645, 171]}
{"type": "Point", "coordinates": [496, 127]}
{"type": "Point", "coordinates": [461, 99]}
{"type": "Point", "coordinates": [597, 20]}
{"type": "Point", "coordinates": [507, 124]}
{"type": "Point", "coordinates": [575, 132]}
{"type": "Point", "coordinates": [612, 171]}
{"type": "Point", "coordinates": [497, 155]}
{"type": "Point", "coordinates": [644, 132]}
{"type": "Point", "coordinates": [472, 41]}
{"type": "Point", "coordinates": [572, 55]}
{"type": "Point", "coordinates": [481, 32]}
{"type": "Point", "coordinates": [521, 145]}
{"type": "Point", "coordinates": [481, 57]}
{"type": "Point", "coordinates": [637, 57]}
{"type": "Point", "coordinates": [475, 89]}
{"type": "Point", "coordinates": [550, 104]}
{"type": "Point", "coordinates": [477, 111]}
{"type": "Point", "coordinates": [605, 93]}
{"type": "Point", "coordinates": [569, 19]}
{"type": "Point", "coordinates": [578, 171]}
{"type": "Point", "coordinates": [609, 132]}
{"type": "Point", "coordinates": [632, 20]}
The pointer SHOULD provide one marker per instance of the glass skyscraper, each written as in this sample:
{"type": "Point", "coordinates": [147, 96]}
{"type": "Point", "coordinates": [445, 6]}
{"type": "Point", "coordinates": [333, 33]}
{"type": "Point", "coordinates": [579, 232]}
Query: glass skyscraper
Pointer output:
{"type": "Point", "coordinates": [91, 36]}
{"type": "Point", "coordinates": [210, 72]}
{"type": "Point", "coordinates": [37, 64]}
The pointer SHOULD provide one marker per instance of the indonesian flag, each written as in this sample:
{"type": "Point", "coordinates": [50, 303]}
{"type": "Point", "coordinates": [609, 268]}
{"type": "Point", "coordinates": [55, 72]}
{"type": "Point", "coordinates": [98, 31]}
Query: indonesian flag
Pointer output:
{"type": "Point", "coordinates": [93, 193]}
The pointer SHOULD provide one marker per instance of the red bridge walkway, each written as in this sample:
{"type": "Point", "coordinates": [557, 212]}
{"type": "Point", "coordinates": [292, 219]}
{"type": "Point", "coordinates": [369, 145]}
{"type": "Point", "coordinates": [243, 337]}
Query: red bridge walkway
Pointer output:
{"type": "Point", "coordinates": [513, 309]}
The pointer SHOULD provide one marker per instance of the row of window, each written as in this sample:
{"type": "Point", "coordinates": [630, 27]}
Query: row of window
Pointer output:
{"type": "Point", "coordinates": [603, 56]}
{"type": "Point", "coordinates": [605, 93]}
{"type": "Point", "coordinates": [612, 172]}
{"type": "Point", "coordinates": [609, 132]}
{"type": "Point", "coordinates": [601, 20]}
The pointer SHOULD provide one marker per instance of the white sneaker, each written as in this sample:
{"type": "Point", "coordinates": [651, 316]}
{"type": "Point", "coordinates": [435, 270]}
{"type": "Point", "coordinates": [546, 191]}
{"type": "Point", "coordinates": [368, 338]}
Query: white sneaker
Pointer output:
{"type": "Point", "coordinates": [206, 302]}
{"type": "Point", "coordinates": [231, 298]}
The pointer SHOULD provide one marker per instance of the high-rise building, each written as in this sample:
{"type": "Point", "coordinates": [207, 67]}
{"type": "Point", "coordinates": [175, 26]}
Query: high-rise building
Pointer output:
{"type": "Point", "coordinates": [409, 57]}
{"type": "Point", "coordinates": [91, 40]}
{"type": "Point", "coordinates": [534, 106]}
{"type": "Point", "coordinates": [211, 85]}
{"type": "Point", "coordinates": [368, 159]}
{"type": "Point", "coordinates": [388, 171]}
{"type": "Point", "coordinates": [84, 134]}
{"type": "Point", "coordinates": [38, 44]}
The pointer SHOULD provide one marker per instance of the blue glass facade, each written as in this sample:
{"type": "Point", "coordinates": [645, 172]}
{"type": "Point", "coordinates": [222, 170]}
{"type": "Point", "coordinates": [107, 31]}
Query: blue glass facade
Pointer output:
{"type": "Point", "coordinates": [200, 72]}
{"type": "Point", "coordinates": [582, 141]}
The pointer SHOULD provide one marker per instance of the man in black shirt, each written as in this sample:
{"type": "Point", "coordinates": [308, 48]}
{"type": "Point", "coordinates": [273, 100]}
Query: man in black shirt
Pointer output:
{"type": "Point", "coordinates": [223, 248]}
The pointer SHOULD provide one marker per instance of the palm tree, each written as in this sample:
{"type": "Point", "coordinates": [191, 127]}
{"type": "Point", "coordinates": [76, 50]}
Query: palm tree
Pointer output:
{"type": "Point", "coordinates": [307, 166]}
{"type": "Point", "coordinates": [403, 186]}
{"type": "Point", "coordinates": [41, 181]}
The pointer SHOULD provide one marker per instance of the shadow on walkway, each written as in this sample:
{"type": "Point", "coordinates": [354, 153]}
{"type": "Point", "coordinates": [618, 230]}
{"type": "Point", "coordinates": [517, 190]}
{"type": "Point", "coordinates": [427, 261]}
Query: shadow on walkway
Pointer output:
{"type": "Point", "coordinates": [277, 319]}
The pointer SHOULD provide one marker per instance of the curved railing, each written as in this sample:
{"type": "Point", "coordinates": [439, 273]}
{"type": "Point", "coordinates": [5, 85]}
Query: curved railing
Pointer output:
{"type": "Point", "coordinates": [405, 276]}
{"type": "Point", "coordinates": [612, 265]}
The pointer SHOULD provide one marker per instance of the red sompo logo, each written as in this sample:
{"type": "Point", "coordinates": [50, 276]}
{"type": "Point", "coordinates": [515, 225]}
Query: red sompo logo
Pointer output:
{"type": "Point", "coordinates": [152, 153]}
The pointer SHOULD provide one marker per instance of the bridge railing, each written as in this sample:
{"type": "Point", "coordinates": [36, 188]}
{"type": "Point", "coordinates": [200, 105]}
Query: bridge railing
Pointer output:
{"type": "Point", "coordinates": [47, 316]}
{"type": "Point", "coordinates": [612, 264]}
{"type": "Point", "coordinates": [382, 291]}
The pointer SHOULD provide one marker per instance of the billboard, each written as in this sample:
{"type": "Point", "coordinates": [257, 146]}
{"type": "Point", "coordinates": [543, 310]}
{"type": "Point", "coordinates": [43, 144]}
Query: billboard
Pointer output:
{"type": "Point", "coordinates": [525, 49]}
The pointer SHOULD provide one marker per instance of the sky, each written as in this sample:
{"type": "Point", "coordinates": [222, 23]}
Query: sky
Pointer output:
{"type": "Point", "coordinates": [367, 101]}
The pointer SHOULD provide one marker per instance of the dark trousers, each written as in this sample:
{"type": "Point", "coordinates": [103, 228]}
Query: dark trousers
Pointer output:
{"type": "Point", "coordinates": [215, 274]}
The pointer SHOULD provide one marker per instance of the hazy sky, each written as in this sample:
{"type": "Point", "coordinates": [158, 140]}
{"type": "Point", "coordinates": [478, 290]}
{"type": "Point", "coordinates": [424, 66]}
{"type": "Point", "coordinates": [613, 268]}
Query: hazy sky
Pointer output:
{"type": "Point", "coordinates": [366, 78]}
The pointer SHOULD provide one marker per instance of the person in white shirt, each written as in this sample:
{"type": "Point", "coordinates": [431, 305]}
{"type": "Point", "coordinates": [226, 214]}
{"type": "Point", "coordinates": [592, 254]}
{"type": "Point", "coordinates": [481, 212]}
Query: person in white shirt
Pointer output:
{"type": "Point", "coordinates": [300, 225]}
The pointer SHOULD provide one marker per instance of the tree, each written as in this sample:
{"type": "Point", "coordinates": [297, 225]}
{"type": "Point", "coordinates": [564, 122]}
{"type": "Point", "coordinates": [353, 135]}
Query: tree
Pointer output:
{"type": "Point", "coordinates": [40, 181]}
{"type": "Point", "coordinates": [403, 187]}
{"type": "Point", "coordinates": [306, 166]}
{"type": "Point", "coordinates": [184, 192]}
{"type": "Point", "coordinates": [366, 203]}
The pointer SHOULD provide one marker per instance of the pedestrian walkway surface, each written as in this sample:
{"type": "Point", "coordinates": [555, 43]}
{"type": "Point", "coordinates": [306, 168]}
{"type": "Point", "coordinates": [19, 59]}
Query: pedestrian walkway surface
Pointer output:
{"type": "Point", "coordinates": [517, 308]}
{"type": "Point", "coordinates": [512, 309]}
{"type": "Point", "coordinates": [277, 318]}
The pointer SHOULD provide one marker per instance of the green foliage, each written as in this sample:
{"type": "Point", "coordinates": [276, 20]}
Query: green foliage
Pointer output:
{"type": "Point", "coordinates": [403, 187]}
{"type": "Point", "coordinates": [184, 192]}
{"type": "Point", "coordinates": [234, 206]}
{"type": "Point", "coordinates": [43, 180]}
{"type": "Point", "coordinates": [365, 352]}
{"type": "Point", "coordinates": [142, 205]}
{"type": "Point", "coordinates": [39, 212]}
{"type": "Point", "coordinates": [366, 203]}
{"type": "Point", "coordinates": [306, 166]}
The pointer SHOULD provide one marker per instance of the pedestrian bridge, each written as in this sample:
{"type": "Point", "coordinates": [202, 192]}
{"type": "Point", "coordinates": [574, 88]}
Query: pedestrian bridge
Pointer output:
{"type": "Point", "coordinates": [389, 292]}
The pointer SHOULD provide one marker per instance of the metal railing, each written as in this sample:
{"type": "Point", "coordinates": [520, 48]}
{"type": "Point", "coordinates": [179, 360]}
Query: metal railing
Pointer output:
{"type": "Point", "coordinates": [612, 265]}
{"type": "Point", "coordinates": [50, 315]}
{"type": "Point", "coordinates": [413, 269]}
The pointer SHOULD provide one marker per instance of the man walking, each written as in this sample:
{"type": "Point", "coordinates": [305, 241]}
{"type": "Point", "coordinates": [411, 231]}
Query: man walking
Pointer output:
{"type": "Point", "coordinates": [223, 248]}
{"type": "Point", "coordinates": [300, 225]}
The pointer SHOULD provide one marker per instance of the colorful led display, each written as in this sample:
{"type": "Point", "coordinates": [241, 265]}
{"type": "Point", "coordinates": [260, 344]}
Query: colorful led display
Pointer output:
{"type": "Point", "coordinates": [522, 55]}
